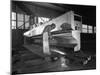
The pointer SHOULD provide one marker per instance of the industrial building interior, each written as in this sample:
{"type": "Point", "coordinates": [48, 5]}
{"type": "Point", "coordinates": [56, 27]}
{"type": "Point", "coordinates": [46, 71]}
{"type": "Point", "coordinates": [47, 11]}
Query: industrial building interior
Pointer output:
{"type": "Point", "coordinates": [52, 49]}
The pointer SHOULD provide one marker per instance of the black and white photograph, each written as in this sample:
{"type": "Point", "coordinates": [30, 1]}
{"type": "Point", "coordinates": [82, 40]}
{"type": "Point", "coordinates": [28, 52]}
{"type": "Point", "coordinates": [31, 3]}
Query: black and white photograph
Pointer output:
{"type": "Point", "coordinates": [52, 37]}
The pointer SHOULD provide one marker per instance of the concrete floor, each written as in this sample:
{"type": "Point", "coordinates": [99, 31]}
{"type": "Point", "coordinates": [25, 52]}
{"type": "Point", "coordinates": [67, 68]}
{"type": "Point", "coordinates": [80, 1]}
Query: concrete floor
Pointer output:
{"type": "Point", "coordinates": [30, 63]}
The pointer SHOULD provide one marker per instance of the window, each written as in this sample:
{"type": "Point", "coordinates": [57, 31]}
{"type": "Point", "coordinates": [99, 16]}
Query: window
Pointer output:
{"type": "Point", "coordinates": [87, 29]}
{"type": "Point", "coordinates": [90, 30]}
{"type": "Point", "coordinates": [94, 29]}
{"type": "Point", "coordinates": [27, 18]}
{"type": "Point", "coordinates": [20, 17]}
{"type": "Point", "coordinates": [13, 16]}
{"type": "Point", "coordinates": [13, 22]}
{"type": "Point", "coordinates": [84, 28]}
{"type": "Point", "coordinates": [42, 20]}
{"type": "Point", "coordinates": [27, 21]}
{"type": "Point", "coordinates": [21, 22]}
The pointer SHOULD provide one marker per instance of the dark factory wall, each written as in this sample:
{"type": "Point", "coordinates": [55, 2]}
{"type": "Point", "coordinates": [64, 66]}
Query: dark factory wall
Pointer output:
{"type": "Point", "coordinates": [17, 37]}
{"type": "Point", "coordinates": [88, 43]}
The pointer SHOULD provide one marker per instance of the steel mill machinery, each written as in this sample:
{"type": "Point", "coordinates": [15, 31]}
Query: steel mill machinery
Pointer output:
{"type": "Point", "coordinates": [53, 38]}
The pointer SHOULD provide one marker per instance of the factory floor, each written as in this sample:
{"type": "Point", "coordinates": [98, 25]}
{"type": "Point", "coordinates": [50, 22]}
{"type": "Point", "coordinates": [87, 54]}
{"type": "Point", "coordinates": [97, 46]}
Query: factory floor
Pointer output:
{"type": "Point", "coordinates": [24, 61]}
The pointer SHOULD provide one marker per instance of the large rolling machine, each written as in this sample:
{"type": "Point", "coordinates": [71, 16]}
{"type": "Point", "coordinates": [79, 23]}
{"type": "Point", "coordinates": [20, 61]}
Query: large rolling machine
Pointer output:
{"type": "Point", "coordinates": [56, 36]}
